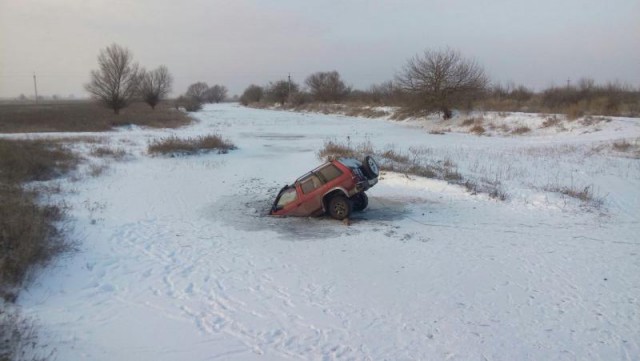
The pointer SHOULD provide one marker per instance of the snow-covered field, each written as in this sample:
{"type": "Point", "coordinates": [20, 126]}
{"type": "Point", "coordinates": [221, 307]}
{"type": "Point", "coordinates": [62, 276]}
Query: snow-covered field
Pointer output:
{"type": "Point", "coordinates": [177, 260]}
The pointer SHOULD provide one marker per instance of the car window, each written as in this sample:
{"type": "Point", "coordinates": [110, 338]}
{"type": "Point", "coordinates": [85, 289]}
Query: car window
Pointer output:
{"type": "Point", "coordinates": [310, 183]}
{"type": "Point", "coordinates": [287, 197]}
{"type": "Point", "coordinates": [330, 172]}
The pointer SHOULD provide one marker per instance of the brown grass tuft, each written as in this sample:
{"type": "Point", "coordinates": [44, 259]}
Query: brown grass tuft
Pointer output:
{"type": "Point", "coordinates": [395, 156]}
{"type": "Point", "coordinates": [468, 122]}
{"type": "Point", "coordinates": [477, 129]}
{"type": "Point", "coordinates": [621, 145]}
{"type": "Point", "coordinates": [521, 130]}
{"type": "Point", "coordinates": [437, 132]}
{"type": "Point", "coordinates": [629, 149]}
{"type": "Point", "coordinates": [335, 150]}
{"type": "Point", "coordinates": [106, 152]}
{"type": "Point", "coordinates": [188, 146]}
{"type": "Point", "coordinates": [473, 121]}
{"type": "Point", "coordinates": [586, 194]}
{"type": "Point", "coordinates": [550, 122]}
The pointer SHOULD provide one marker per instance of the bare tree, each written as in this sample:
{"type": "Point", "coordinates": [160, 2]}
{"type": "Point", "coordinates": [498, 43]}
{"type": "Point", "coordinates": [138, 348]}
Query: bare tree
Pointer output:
{"type": "Point", "coordinates": [115, 83]}
{"type": "Point", "coordinates": [253, 94]}
{"type": "Point", "coordinates": [155, 85]}
{"type": "Point", "coordinates": [216, 94]}
{"type": "Point", "coordinates": [198, 91]}
{"type": "Point", "coordinates": [280, 91]}
{"type": "Point", "coordinates": [327, 86]}
{"type": "Point", "coordinates": [189, 103]}
{"type": "Point", "coordinates": [384, 93]}
{"type": "Point", "coordinates": [440, 80]}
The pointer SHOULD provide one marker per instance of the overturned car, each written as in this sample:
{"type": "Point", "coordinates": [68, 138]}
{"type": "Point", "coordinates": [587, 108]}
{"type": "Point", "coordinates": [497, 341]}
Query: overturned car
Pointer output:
{"type": "Point", "coordinates": [336, 188]}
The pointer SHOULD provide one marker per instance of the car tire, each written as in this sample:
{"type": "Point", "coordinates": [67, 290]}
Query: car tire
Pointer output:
{"type": "Point", "coordinates": [370, 167]}
{"type": "Point", "coordinates": [360, 202]}
{"type": "Point", "coordinates": [339, 207]}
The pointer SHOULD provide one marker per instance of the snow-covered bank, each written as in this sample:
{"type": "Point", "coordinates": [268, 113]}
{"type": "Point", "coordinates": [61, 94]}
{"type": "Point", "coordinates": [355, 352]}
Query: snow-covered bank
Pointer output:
{"type": "Point", "coordinates": [179, 261]}
{"type": "Point", "coordinates": [487, 123]}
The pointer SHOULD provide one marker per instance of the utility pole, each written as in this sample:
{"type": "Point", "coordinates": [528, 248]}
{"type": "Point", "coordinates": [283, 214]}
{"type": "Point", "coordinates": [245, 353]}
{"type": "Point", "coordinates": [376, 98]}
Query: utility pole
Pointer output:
{"type": "Point", "coordinates": [289, 92]}
{"type": "Point", "coordinates": [35, 86]}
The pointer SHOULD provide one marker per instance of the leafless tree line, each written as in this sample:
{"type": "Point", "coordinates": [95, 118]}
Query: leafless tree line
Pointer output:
{"type": "Point", "coordinates": [118, 80]}
{"type": "Point", "coordinates": [439, 81]}
{"type": "Point", "coordinates": [583, 97]}
{"type": "Point", "coordinates": [199, 93]}
{"type": "Point", "coordinates": [203, 93]}
{"type": "Point", "coordinates": [322, 86]}
{"type": "Point", "coordinates": [435, 81]}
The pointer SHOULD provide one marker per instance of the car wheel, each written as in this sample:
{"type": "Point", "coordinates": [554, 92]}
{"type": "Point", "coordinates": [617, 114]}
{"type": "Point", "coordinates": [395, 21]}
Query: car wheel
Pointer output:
{"type": "Point", "coordinates": [339, 207]}
{"type": "Point", "coordinates": [360, 202]}
{"type": "Point", "coordinates": [371, 167]}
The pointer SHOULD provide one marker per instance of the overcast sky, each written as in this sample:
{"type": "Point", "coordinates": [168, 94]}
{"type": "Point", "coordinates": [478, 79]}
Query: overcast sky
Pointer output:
{"type": "Point", "coordinates": [238, 42]}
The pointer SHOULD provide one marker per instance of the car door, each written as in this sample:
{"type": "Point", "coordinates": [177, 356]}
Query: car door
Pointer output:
{"type": "Point", "coordinates": [288, 201]}
{"type": "Point", "coordinates": [311, 187]}
{"type": "Point", "coordinates": [294, 202]}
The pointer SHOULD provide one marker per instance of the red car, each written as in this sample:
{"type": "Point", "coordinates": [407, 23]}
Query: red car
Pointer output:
{"type": "Point", "coordinates": [335, 188]}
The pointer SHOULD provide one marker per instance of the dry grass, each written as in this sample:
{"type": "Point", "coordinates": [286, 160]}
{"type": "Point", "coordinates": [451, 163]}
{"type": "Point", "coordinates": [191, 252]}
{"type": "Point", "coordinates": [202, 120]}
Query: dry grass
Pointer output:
{"type": "Point", "coordinates": [477, 129]}
{"type": "Point", "coordinates": [574, 101]}
{"type": "Point", "coordinates": [472, 121]}
{"type": "Point", "coordinates": [187, 146]}
{"type": "Point", "coordinates": [476, 125]}
{"type": "Point", "coordinates": [84, 116]}
{"type": "Point", "coordinates": [366, 112]}
{"type": "Point", "coordinates": [621, 145]}
{"type": "Point", "coordinates": [573, 112]}
{"type": "Point", "coordinates": [395, 156]}
{"type": "Point", "coordinates": [34, 160]}
{"type": "Point", "coordinates": [18, 337]}
{"type": "Point", "coordinates": [29, 235]}
{"type": "Point", "coordinates": [351, 109]}
{"type": "Point", "coordinates": [416, 162]}
{"type": "Point", "coordinates": [521, 130]}
{"type": "Point", "coordinates": [627, 148]}
{"type": "Point", "coordinates": [468, 122]}
{"type": "Point", "coordinates": [334, 150]}
{"type": "Point", "coordinates": [591, 120]}
{"type": "Point", "coordinates": [550, 122]}
{"type": "Point", "coordinates": [96, 170]}
{"type": "Point", "coordinates": [501, 128]}
{"type": "Point", "coordinates": [586, 194]}
{"type": "Point", "coordinates": [107, 152]}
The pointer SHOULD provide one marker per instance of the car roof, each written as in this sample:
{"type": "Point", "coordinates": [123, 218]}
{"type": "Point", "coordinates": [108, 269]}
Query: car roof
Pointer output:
{"type": "Point", "coordinates": [350, 162]}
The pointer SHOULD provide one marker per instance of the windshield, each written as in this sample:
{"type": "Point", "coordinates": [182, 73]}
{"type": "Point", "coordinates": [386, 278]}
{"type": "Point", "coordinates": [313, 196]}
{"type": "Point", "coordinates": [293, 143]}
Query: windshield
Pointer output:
{"type": "Point", "coordinates": [287, 196]}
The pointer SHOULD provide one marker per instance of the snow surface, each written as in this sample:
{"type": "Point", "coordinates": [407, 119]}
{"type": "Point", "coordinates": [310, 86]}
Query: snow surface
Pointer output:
{"type": "Point", "coordinates": [177, 260]}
